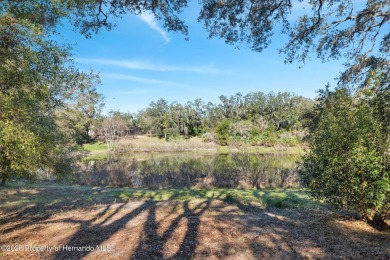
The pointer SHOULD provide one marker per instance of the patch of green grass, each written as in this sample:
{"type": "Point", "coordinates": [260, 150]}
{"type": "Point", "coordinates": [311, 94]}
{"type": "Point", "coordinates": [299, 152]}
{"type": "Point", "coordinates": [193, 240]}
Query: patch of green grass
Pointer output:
{"type": "Point", "coordinates": [95, 147]}
{"type": "Point", "coordinates": [275, 198]}
{"type": "Point", "coordinates": [96, 157]}
{"type": "Point", "coordinates": [288, 198]}
{"type": "Point", "coordinates": [229, 198]}
{"type": "Point", "coordinates": [56, 193]}
{"type": "Point", "coordinates": [283, 200]}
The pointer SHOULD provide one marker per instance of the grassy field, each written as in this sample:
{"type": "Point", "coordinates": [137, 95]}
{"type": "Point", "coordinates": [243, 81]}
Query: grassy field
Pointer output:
{"type": "Point", "coordinates": [54, 221]}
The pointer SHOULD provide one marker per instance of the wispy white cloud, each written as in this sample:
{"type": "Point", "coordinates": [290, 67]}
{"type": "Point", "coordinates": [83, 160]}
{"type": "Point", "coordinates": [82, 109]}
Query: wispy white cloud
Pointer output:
{"type": "Point", "coordinates": [141, 79]}
{"type": "Point", "coordinates": [150, 20]}
{"type": "Point", "coordinates": [136, 91]}
{"type": "Point", "coordinates": [145, 65]}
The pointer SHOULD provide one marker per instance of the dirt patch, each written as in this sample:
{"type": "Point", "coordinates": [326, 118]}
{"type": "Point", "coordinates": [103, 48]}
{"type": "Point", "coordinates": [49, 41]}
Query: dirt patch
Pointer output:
{"type": "Point", "coordinates": [199, 229]}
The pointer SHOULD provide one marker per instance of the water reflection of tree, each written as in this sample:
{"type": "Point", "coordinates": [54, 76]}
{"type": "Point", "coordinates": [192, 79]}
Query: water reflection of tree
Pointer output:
{"type": "Point", "coordinates": [239, 170]}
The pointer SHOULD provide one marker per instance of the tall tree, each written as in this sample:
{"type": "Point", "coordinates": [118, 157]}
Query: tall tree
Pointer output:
{"type": "Point", "coordinates": [112, 128]}
{"type": "Point", "coordinates": [78, 116]}
{"type": "Point", "coordinates": [35, 81]}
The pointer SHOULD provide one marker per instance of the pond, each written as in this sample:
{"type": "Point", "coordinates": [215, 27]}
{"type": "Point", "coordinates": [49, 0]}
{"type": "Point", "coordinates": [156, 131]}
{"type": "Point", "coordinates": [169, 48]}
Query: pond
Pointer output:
{"type": "Point", "coordinates": [193, 169]}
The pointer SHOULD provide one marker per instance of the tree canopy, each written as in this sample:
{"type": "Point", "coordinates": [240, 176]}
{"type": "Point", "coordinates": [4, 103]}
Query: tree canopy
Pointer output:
{"type": "Point", "coordinates": [328, 29]}
{"type": "Point", "coordinates": [240, 118]}
{"type": "Point", "coordinates": [355, 30]}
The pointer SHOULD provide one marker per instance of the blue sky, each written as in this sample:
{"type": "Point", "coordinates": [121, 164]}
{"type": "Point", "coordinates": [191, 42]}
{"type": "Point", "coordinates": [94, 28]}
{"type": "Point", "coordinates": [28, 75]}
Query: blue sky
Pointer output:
{"type": "Point", "coordinates": [139, 62]}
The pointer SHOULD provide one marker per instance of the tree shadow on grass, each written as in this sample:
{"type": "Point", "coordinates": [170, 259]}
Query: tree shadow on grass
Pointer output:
{"type": "Point", "coordinates": [92, 235]}
{"type": "Point", "coordinates": [39, 212]}
{"type": "Point", "coordinates": [152, 244]}
{"type": "Point", "coordinates": [306, 233]}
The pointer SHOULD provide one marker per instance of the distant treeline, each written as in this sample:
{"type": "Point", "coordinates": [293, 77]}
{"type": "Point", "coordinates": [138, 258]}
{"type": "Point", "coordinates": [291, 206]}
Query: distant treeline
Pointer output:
{"type": "Point", "coordinates": [256, 118]}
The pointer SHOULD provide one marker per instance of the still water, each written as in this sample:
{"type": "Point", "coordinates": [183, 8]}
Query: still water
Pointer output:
{"type": "Point", "coordinates": [187, 169]}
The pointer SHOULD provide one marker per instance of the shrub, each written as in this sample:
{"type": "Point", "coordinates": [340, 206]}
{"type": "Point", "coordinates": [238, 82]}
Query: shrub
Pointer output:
{"type": "Point", "coordinates": [222, 131]}
{"type": "Point", "coordinates": [348, 163]}
{"type": "Point", "coordinates": [207, 137]}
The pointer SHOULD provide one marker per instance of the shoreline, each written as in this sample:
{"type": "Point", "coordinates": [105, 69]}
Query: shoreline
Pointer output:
{"type": "Point", "coordinates": [144, 144]}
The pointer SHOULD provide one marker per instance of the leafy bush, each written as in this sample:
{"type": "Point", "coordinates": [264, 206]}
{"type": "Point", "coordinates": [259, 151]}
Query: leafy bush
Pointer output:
{"type": "Point", "coordinates": [265, 140]}
{"type": "Point", "coordinates": [171, 133]}
{"type": "Point", "coordinates": [289, 138]}
{"type": "Point", "coordinates": [348, 164]}
{"type": "Point", "coordinates": [241, 129]}
{"type": "Point", "coordinates": [222, 131]}
{"type": "Point", "coordinates": [207, 137]}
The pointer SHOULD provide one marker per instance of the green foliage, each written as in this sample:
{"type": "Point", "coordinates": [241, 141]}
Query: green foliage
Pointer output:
{"type": "Point", "coordinates": [222, 131]}
{"type": "Point", "coordinates": [242, 129]}
{"type": "Point", "coordinates": [77, 118]}
{"type": "Point", "coordinates": [207, 137]}
{"type": "Point", "coordinates": [348, 162]}
{"type": "Point", "coordinates": [171, 133]}
{"type": "Point", "coordinates": [283, 200]}
{"type": "Point", "coordinates": [36, 79]}
{"type": "Point", "coordinates": [255, 118]}
{"type": "Point", "coordinates": [291, 138]}
{"type": "Point", "coordinates": [229, 198]}
{"type": "Point", "coordinates": [267, 138]}
{"type": "Point", "coordinates": [327, 29]}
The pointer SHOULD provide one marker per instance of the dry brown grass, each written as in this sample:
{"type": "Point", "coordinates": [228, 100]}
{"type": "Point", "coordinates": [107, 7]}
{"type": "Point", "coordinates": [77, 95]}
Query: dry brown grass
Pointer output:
{"type": "Point", "coordinates": [199, 229]}
{"type": "Point", "coordinates": [143, 143]}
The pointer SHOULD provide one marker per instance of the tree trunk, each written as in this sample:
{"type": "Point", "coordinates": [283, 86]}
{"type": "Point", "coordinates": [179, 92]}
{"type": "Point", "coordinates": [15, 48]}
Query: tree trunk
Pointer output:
{"type": "Point", "coordinates": [3, 179]}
